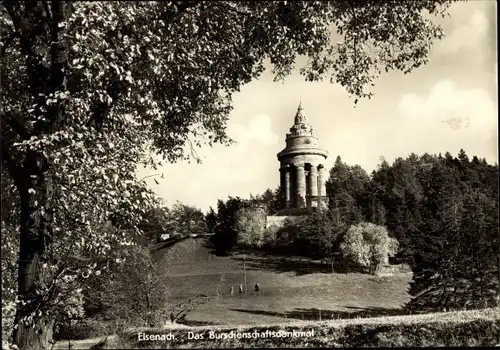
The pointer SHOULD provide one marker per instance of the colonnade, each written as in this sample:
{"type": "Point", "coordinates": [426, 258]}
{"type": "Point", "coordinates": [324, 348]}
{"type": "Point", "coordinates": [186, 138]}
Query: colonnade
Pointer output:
{"type": "Point", "coordinates": [303, 185]}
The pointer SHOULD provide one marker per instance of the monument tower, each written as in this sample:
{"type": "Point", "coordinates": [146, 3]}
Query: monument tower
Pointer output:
{"type": "Point", "coordinates": [302, 167]}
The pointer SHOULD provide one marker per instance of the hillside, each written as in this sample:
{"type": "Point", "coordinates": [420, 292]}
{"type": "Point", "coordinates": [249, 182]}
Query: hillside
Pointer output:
{"type": "Point", "coordinates": [290, 288]}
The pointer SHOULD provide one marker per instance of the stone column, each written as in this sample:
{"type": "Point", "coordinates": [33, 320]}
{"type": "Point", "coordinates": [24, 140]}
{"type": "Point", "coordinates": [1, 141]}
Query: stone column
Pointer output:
{"type": "Point", "coordinates": [282, 180]}
{"type": "Point", "coordinates": [308, 188]}
{"type": "Point", "coordinates": [322, 186]}
{"type": "Point", "coordinates": [300, 188]}
{"type": "Point", "coordinates": [287, 187]}
{"type": "Point", "coordinates": [313, 181]}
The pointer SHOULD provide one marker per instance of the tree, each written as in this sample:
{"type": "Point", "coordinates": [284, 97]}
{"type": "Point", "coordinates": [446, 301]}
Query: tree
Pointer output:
{"type": "Point", "coordinates": [9, 252]}
{"type": "Point", "coordinates": [319, 234]}
{"type": "Point", "coordinates": [456, 250]}
{"type": "Point", "coordinates": [225, 235]}
{"type": "Point", "coordinates": [395, 189]}
{"type": "Point", "coordinates": [84, 77]}
{"type": "Point", "coordinates": [344, 189]}
{"type": "Point", "coordinates": [250, 225]}
{"type": "Point", "coordinates": [154, 224]}
{"type": "Point", "coordinates": [211, 220]}
{"type": "Point", "coordinates": [369, 245]}
{"type": "Point", "coordinates": [185, 219]}
{"type": "Point", "coordinates": [270, 200]}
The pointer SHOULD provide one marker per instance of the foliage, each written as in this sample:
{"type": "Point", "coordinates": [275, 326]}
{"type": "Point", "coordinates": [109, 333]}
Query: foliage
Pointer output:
{"type": "Point", "coordinates": [90, 88]}
{"type": "Point", "coordinates": [250, 225]}
{"type": "Point", "coordinates": [456, 253]}
{"type": "Point", "coordinates": [211, 220]}
{"type": "Point", "coordinates": [269, 199]}
{"type": "Point", "coordinates": [344, 189]}
{"type": "Point", "coordinates": [154, 224]}
{"type": "Point", "coordinates": [316, 235]}
{"type": "Point", "coordinates": [185, 219]}
{"type": "Point", "coordinates": [225, 235]}
{"type": "Point", "coordinates": [368, 245]}
{"type": "Point", "coordinates": [131, 291]}
{"type": "Point", "coordinates": [270, 236]}
{"type": "Point", "coordinates": [324, 232]}
{"type": "Point", "coordinates": [443, 210]}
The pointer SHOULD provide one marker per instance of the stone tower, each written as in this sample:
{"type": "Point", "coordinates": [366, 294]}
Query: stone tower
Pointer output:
{"type": "Point", "coordinates": [302, 167]}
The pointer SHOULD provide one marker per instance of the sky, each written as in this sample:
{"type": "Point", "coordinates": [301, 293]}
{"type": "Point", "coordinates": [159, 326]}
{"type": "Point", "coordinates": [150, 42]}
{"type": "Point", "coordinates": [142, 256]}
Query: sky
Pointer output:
{"type": "Point", "coordinates": [450, 103]}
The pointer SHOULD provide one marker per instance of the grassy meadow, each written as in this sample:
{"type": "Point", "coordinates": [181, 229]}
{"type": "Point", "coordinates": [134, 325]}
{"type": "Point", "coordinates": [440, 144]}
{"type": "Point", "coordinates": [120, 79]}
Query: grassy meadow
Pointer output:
{"type": "Point", "coordinates": [343, 309]}
{"type": "Point", "coordinates": [290, 289]}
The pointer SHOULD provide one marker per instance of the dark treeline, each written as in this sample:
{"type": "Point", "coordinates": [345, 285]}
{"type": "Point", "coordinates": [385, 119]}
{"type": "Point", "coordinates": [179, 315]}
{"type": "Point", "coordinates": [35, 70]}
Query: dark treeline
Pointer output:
{"type": "Point", "coordinates": [443, 210]}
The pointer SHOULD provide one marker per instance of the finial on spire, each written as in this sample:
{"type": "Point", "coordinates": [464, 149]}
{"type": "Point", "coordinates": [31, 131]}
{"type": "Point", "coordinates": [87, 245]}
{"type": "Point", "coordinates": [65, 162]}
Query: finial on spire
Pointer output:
{"type": "Point", "coordinates": [300, 118]}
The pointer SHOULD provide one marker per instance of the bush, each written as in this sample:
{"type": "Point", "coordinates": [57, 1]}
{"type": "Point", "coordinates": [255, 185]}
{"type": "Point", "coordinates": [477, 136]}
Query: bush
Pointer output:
{"type": "Point", "coordinates": [270, 236]}
{"type": "Point", "coordinates": [368, 245]}
{"type": "Point", "coordinates": [250, 225]}
{"type": "Point", "coordinates": [135, 292]}
{"type": "Point", "coordinates": [130, 294]}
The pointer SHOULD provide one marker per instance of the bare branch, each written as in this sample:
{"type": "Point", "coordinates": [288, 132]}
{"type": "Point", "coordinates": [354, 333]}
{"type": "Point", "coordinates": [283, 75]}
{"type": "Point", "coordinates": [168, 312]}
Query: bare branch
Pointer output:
{"type": "Point", "coordinates": [194, 154]}
{"type": "Point", "coordinates": [148, 176]}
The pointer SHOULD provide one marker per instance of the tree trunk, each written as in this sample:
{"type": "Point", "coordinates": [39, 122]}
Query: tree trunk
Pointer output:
{"type": "Point", "coordinates": [33, 323]}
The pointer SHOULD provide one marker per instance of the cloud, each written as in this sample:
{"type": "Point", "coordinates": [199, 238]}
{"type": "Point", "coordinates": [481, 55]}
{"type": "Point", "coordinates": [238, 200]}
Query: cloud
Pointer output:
{"type": "Point", "coordinates": [446, 103]}
{"type": "Point", "coordinates": [225, 171]}
{"type": "Point", "coordinates": [259, 130]}
{"type": "Point", "coordinates": [449, 118]}
{"type": "Point", "coordinates": [465, 29]}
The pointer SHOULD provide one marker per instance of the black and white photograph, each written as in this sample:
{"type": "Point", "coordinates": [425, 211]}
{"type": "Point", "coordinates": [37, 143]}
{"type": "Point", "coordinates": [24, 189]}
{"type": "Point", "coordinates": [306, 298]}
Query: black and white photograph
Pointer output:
{"type": "Point", "coordinates": [249, 174]}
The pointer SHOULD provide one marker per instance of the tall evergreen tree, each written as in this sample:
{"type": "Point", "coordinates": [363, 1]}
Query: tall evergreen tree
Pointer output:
{"type": "Point", "coordinates": [211, 220]}
{"type": "Point", "coordinates": [456, 250]}
{"type": "Point", "coordinates": [344, 188]}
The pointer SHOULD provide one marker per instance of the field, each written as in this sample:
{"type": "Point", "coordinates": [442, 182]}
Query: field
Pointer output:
{"type": "Point", "coordinates": [341, 309]}
{"type": "Point", "coordinates": [290, 289]}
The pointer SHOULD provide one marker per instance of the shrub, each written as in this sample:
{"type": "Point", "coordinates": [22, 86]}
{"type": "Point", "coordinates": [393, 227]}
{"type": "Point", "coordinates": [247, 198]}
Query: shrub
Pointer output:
{"type": "Point", "coordinates": [270, 236]}
{"type": "Point", "coordinates": [135, 292]}
{"type": "Point", "coordinates": [368, 245]}
{"type": "Point", "coordinates": [250, 226]}
{"type": "Point", "coordinates": [130, 294]}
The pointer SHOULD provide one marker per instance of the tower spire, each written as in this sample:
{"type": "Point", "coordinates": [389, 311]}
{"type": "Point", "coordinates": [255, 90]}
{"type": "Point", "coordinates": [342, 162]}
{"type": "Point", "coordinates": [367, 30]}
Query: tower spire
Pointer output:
{"type": "Point", "coordinates": [300, 117]}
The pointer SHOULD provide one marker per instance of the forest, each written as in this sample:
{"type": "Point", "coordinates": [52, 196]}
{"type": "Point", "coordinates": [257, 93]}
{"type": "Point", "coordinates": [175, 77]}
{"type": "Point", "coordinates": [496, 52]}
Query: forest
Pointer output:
{"type": "Point", "coordinates": [442, 210]}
